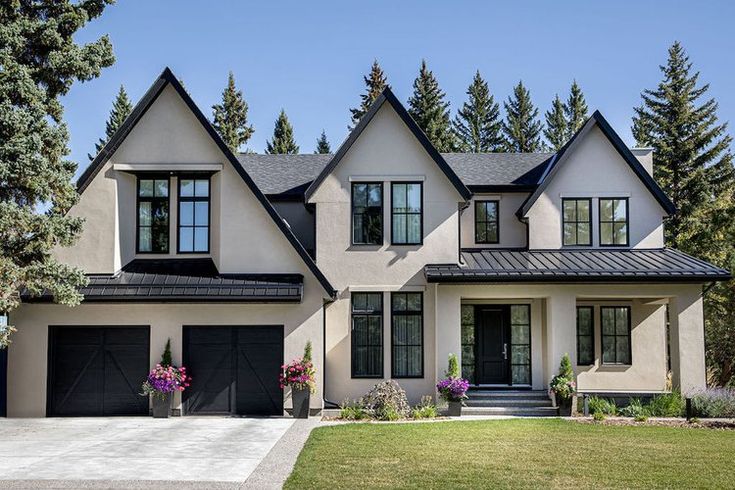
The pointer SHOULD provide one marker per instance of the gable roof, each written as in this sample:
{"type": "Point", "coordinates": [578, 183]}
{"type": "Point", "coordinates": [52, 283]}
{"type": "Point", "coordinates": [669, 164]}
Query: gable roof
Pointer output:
{"type": "Point", "coordinates": [563, 155]}
{"type": "Point", "coordinates": [387, 96]}
{"type": "Point", "coordinates": [168, 78]}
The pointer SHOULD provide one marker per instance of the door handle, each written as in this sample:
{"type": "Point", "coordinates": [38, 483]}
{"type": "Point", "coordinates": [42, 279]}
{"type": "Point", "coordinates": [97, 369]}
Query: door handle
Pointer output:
{"type": "Point", "coordinates": [505, 351]}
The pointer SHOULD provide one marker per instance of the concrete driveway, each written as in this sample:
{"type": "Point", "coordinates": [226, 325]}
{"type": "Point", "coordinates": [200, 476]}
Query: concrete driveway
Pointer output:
{"type": "Point", "coordinates": [197, 449]}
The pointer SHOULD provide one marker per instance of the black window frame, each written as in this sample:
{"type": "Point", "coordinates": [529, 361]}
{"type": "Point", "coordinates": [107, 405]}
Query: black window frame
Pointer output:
{"type": "Point", "coordinates": [591, 336]}
{"type": "Point", "coordinates": [616, 335]}
{"type": "Point", "coordinates": [194, 199]}
{"type": "Point", "coordinates": [600, 222]}
{"type": "Point", "coordinates": [576, 222]}
{"type": "Point", "coordinates": [420, 213]}
{"type": "Point", "coordinates": [485, 202]}
{"type": "Point", "coordinates": [380, 240]}
{"type": "Point", "coordinates": [151, 199]}
{"type": "Point", "coordinates": [527, 345]}
{"type": "Point", "coordinates": [353, 314]}
{"type": "Point", "coordinates": [394, 314]}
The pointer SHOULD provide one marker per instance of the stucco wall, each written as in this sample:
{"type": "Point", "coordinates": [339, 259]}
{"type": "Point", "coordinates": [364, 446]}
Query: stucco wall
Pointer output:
{"type": "Point", "coordinates": [595, 169]}
{"type": "Point", "coordinates": [300, 220]}
{"type": "Point", "coordinates": [512, 232]}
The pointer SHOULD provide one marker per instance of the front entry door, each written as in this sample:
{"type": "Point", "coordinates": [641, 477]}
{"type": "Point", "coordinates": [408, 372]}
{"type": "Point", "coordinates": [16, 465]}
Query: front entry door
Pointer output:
{"type": "Point", "coordinates": [493, 344]}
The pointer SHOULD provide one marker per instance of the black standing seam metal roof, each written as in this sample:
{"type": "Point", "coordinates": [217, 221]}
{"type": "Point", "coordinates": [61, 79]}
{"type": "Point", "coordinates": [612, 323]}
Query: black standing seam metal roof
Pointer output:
{"type": "Point", "coordinates": [641, 265]}
{"type": "Point", "coordinates": [167, 77]}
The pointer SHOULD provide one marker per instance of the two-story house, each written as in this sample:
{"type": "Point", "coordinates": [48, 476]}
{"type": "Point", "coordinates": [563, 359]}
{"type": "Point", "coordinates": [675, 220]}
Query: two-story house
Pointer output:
{"type": "Point", "coordinates": [387, 256]}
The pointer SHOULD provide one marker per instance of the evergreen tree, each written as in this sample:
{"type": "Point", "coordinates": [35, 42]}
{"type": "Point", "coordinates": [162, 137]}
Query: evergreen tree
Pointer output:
{"type": "Point", "coordinates": [283, 141]}
{"type": "Point", "coordinates": [40, 61]}
{"type": "Point", "coordinates": [375, 83]}
{"type": "Point", "coordinates": [575, 109]}
{"type": "Point", "coordinates": [430, 111]}
{"type": "Point", "coordinates": [322, 145]}
{"type": "Point", "coordinates": [166, 356]}
{"type": "Point", "coordinates": [477, 125]}
{"type": "Point", "coordinates": [521, 127]}
{"type": "Point", "coordinates": [121, 108]}
{"type": "Point", "coordinates": [556, 130]}
{"type": "Point", "coordinates": [694, 165]}
{"type": "Point", "coordinates": [231, 116]}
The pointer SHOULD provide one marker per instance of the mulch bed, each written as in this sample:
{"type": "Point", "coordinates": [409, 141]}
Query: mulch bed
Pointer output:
{"type": "Point", "coordinates": [722, 424]}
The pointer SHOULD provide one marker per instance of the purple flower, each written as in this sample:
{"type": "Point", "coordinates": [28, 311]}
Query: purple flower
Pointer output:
{"type": "Point", "coordinates": [453, 389]}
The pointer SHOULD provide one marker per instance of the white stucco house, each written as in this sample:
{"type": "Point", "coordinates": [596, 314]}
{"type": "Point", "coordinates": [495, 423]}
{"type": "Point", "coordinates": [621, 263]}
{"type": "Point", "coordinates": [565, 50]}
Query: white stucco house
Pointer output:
{"type": "Point", "coordinates": [387, 256]}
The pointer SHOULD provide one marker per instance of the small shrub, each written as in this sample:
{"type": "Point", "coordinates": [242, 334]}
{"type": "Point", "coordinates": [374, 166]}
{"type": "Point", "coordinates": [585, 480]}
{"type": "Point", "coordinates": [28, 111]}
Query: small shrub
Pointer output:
{"type": "Point", "coordinates": [666, 405]}
{"type": "Point", "coordinates": [453, 367]}
{"type": "Point", "coordinates": [598, 416]}
{"type": "Point", "coordinates": [641, 418]}
{"type": "Point", "coordinates": [562, 385]}
{"type": "Point", "coordinates": [352, 410]}
{"type": "Point", "coordinates": [426, 409]}
{"type": "Point", "coordinates": [386, 401]}
{"type": "Point", "coordinates": [602, 406]}
{"type": "Point", "coordinates": [714, 402]}
{"type": "Point", "coordinates": [634, 409]}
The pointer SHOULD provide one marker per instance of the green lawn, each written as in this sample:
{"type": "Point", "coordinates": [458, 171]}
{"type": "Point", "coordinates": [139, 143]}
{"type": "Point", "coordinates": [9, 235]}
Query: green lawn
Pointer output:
{"type": "Point", "coordinates": [514, 453]}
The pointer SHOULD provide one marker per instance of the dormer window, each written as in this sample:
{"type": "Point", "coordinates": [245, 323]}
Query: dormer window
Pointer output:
{"type": "Point", "coordinates": [152, 216]}
{"type": "Point", "coordinates": [487, 223]}
{"type": "Point", "coordinates": [614, 222]}
{"type": "Point", "coordinates": [406, 213]}
{"type": "Point", "coordinates": [577, 222]}
{"type": "Point", "coordinates": [367, 213]}
{"type": "Point", "coordinates": [193, 215]}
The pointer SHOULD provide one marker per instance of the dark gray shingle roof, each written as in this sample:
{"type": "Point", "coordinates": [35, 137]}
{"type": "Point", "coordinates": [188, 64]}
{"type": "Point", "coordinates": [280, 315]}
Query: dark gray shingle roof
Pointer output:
{"type": "Point", "coordinates": [497, 265]}
{"type": "Point", "coordinates": [291, 174]}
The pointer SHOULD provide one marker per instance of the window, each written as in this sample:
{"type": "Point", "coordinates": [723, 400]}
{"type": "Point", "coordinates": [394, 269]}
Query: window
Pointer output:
{"type": "Point", "coordinates": [615, 334]}
{"type": "Point", "coordinates": [367, 213]}
{"type": "Point", "coordinates": [486, 221]}
{"type": "Point", "coordinates": [468, 343]}
{"type": "Point", "coordinates": [193, 215]}
{"type": "Point", "coordinates": [577, 219]}
{"type": "Point", "coordinates": [406, 218]}
{"type": "Point", "coordinates": [585, 336]}
{"type": "Point", "coordinates": [407, 317]}
{"type": "Point", "coordinates": [152, 215]}
{"type": "Point", "coordinates": [520, 344]}
{"type": "Point", "coordinates": [614, 222]}
{"type": "Point", "coordinates": [367, 335]}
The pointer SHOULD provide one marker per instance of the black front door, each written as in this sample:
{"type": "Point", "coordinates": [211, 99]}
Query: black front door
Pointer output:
{"type": "Point", "coordinates": [493, 344]}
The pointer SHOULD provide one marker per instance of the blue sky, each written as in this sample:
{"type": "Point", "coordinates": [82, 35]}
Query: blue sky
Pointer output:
{"type": "Point", "coordinates": [309, 57]}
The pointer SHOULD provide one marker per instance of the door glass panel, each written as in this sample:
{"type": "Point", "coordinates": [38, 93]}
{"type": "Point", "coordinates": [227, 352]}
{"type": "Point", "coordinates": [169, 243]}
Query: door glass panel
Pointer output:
{"type": "Point", "coordinates": [520, 355]}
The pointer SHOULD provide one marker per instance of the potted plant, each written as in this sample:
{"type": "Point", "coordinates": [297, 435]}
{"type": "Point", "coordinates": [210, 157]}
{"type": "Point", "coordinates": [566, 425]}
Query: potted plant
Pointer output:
{"type": "Point", "coordinates": [163, 381]}
{"type": "Point", "coordinates": [563, 387]}
{"type": "Point", "coordinates": [453, 388]}
{"type": "Point", "coordinates": [300, 375]}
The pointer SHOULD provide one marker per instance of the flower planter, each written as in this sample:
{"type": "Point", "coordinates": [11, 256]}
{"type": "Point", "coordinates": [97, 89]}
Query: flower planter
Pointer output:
{"type": "Point", "coordinates": [300, 399]}
{"type": "Point", "coordinates": [161, 406]}
{"type": "Point", "coordinates": [455, 409]}
{"type": "Point", "coordinates": [564, 406]}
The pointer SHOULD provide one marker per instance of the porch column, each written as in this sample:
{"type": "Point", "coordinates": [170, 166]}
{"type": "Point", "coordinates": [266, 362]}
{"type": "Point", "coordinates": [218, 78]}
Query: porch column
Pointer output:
{"type": "Point", "coordinates": [686, 320]}
{"type": "Point", "coordinates": [561, 334]}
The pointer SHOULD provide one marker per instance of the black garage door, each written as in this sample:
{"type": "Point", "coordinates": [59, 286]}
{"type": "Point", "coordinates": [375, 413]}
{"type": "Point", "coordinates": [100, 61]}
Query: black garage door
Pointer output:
{"type": "Point", "coordinates": [97, 370]}
{"type": "Point", "coordinates": [234, 370]}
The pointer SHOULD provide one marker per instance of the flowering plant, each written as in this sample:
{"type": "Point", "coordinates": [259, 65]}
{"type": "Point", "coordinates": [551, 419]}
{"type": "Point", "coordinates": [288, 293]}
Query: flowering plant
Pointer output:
{"type": "Point", "coordinates": [562, 385]}
{"type": "Point", "coordinates": [165, 379]}
{"type": "Point", "coordinates": [298, 374]}
{"type": "Point", "coordinates": [453, 389]}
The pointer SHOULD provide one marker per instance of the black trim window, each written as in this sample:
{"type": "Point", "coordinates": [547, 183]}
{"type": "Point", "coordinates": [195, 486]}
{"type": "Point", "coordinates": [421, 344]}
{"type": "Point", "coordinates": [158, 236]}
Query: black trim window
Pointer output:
{"type": "Point", "coordinates": [407, 332]}
{"type": "Point", "coordinates": [614, 222]}
{"type": "Point", "coordinates": [520, 344]}
{"type": "Point", "coordinates": [367, 213]}
{"type": "Point", "coordinates": [153, 212]}
{"type": "Point", "coordinates": [615, 321]}
{"type": "Point", "coordinates": [193, 215]}
{"type": "Point", "coordinates": [406, 213]}
{"type": "Point", "coordinates": [585, 336]}
{"type": "Point", "coordinates": [487, 221]}
{"type": "Point", "coordinates": [367, 335]}
{"type": "Point", "coordinates": [468, 343]}
{"type": "Point", "coordinates": [577, 222]}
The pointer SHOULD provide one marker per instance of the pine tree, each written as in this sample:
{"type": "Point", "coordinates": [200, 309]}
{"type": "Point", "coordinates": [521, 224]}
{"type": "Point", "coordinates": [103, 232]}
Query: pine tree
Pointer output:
{"type": "Point", "coordinates": [40, 61]}
{"type": "Point", "coordinates": [477, 125]}
{"type": "Point", "coordinates": [121, 108]}
{"type": "Point", "coordinates": [231, 116]}
{"type": "Point", "coordinates": [556, 130]}
{"type": "Point", "coordinates": [166, 356]}
{"type": "Point", "coordinates": [522, 128]}
{"type": "Point", "coordinates": [375, 83]}
{"type": "Point", "coordinates": [428, 108]}
{"type": "Point", "coordinates": [694, 165]}
{"type": "Point", "coordinates": [322, 145]}
{"type": "Point", "coordinates": [575, 109]}
{"type": "Point", "coordinates": [283, 141]}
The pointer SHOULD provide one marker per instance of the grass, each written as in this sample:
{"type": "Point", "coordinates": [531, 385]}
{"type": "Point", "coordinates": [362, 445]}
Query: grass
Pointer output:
{"type": "Point", "coordinates": [514, 454]}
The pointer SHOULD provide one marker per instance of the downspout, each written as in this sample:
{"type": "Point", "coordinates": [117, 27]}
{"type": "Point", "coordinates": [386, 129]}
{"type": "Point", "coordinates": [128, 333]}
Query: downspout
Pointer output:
{"type": "Point", "coordinates": [326, 403]}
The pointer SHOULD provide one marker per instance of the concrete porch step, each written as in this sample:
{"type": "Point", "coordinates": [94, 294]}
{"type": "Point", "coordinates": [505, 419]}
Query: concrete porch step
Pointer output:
{"type": "Point", "coordinates": [507, 395]}
{"type": "Point", "coordinates": [511, 411]}
{"type": "Point", "coordinates": [508, 402]}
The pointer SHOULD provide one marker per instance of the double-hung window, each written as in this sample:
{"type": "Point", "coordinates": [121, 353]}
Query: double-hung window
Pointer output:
{"type": "Point", "coordinates": [367, 335]}
{"type": "Point", "coordinates": [407, 317]}
{"type": "Point", "coordinates": [585, 336]}
{"type": "Point", "coordinates": [152, 215]}
{"type": "Point", "coordinates": [614, 222]}
{"type": "Point", "coordinates": [406, 213]}
{"type": "Point", "coordinates": [577, 222]}
{"type": "Point", "coordinates": [367, 213]}
{"type": "Point", "coordinates": [193, 215]}
{"type": "Point", "coordinates": [615, 321]}
{"type": "Point", "coordinates": [486, 221]}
